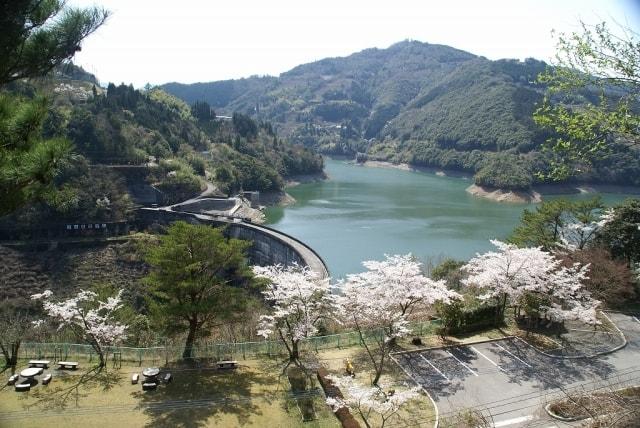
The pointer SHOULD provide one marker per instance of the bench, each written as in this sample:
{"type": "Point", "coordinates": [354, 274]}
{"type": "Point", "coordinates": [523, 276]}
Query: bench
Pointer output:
{"type": "Point", "coordinates": [22, 387]}
{"type": "Point", "coordinates": [46, 379]}
{"type": "Point", "coordinates": [230, 364]}
{"type": "Point", "coordinates": [149, 386]}
{"type": "Point", "coordinates": [166, 378]}
{"type": "Point", "coordinates": [134, 378]}
{"type": "Point", "coordinates": [68, 365]}
{"type": "Point", "coordinates": [13, 379]}
{"type": "Point", "coordinates": [40, 363]}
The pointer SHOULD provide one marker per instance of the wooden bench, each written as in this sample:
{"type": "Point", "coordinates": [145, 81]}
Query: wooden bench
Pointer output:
{"type": "Point", "coordinates": [46, 379]}
{"type": "Point", "coordinates": [40, 363]}
{"type": "Point", "coordinates": [149, 386]}
{"type": "Point", "coordinates": [228, 364]}
{"type": "Point", "coordinates": [68, 365]}
{"type": "Point", "coordinates": [22, 387]}
{"type": "Point", "coordinates": [13, 379]}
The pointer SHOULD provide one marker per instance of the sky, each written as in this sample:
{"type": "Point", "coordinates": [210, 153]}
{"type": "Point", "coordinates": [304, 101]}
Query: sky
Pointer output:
{"type": "Point", "coordinates": [159, 41]}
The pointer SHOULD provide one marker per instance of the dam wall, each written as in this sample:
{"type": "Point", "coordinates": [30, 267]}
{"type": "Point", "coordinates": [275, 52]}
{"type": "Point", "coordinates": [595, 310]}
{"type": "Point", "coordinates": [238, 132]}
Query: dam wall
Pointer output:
{"type": "Point", "coordinates": [269, 246]}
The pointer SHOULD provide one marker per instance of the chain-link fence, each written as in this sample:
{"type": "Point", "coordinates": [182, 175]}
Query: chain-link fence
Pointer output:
{"type": "Point", "coordinates": [205, 350]}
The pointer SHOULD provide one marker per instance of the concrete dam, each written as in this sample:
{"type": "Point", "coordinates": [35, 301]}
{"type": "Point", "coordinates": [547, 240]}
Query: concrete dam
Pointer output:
{"type": "Point", "coordinates": [269, 247]}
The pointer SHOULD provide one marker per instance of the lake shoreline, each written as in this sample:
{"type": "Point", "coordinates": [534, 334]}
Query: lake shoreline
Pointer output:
{"type": "Point", "coordinates": [283, 198]}
{"type": "Point", "coordinates": [535, 195]}
{"type": "Point", "coordinates": [502, 195]}
{"type": "Point", "coordinates": [415, 168]}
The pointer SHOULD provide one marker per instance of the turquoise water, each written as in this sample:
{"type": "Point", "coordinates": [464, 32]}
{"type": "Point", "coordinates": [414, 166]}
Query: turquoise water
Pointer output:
{"type": "Point", "coordinates": [362, 213]}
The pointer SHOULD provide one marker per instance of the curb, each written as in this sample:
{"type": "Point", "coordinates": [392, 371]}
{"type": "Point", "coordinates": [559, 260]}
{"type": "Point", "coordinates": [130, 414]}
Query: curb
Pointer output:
{"type": "Point", "coordinates": [577, 357]}
{"type": "Point", "coordinates": [410, 351]}
{"type": "Point", "coordinates": [554, 415]}
{"type": "Point", "coordinates": [566, 357]}
{"type": "Point", "coordinates": [435, 406]}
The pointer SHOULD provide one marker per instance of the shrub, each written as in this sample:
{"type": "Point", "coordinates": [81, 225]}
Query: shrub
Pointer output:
{"type": "Point", "coordinates": [458, 319]}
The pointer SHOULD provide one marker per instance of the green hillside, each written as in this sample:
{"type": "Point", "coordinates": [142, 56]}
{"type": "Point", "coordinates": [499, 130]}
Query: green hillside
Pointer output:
{"type": "Point", "coordinates": [124, 138]}
{"type": "Point", "coordinates": [414, 102]}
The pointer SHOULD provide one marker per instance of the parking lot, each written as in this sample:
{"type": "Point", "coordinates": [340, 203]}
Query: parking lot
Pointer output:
{"type": "Point", "coordinates": [511, 381]}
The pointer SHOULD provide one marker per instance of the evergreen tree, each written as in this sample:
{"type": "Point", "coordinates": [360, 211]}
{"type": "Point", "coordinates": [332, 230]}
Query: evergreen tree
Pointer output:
{"type": "Point", "coordinates": [198, 280]}
{"type": "Point", "coordinates": [38, 35]}
{"type": "Point", "coordinates": [27, 161]}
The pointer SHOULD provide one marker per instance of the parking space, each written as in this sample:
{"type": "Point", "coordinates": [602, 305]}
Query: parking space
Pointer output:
{"type": "Point", "coordinates": [458, 363]}
{"type": "Point", "coordinates": [511, 380]}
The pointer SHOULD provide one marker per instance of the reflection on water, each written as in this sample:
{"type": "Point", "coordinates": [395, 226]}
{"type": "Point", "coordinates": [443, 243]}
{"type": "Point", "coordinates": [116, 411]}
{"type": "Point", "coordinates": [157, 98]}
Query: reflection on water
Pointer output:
{"type": "Point", "coordinates": [362, 213]}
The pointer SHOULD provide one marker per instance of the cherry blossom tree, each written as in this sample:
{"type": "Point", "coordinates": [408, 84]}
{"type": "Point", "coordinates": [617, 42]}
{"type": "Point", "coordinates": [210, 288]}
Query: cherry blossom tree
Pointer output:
{"type": "Point", "coordinates": [89, 318]}
{"type": "Point", "coordinates": [16, 325]}
{"type": "Point", "coordinates": [300, 299]}
{"type": "Point", "coordinates": [375, 404]}
{"type": "Point", "coordinates": [377, 303]}
{"type": "Point", "coordinates": [534, 278]}
{"type": "Point", "coordinates": [583, 229]}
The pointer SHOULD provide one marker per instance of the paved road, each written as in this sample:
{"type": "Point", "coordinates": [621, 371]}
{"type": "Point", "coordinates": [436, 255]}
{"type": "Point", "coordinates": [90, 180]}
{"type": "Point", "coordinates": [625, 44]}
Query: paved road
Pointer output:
{"type": "Point", "coordinates": [512, 381]}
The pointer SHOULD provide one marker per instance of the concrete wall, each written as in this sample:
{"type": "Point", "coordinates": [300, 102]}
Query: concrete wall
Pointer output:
{"type": "Point", "coordinates": [269, 246]}
{"type": "Point", "coordinates": [206, 204]}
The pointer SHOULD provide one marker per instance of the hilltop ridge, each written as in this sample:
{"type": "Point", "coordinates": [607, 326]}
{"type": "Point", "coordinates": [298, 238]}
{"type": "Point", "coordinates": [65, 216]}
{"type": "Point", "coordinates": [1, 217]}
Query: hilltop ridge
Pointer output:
{"type": "Point", "coordinates": [417, 103]}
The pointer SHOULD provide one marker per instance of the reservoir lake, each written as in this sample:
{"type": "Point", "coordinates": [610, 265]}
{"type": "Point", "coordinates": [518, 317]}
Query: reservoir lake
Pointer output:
{"type": "Point", "coordinates": [361, 213]}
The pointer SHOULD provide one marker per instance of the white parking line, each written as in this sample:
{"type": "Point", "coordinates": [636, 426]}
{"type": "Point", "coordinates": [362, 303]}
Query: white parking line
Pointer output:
{"type": "Point", "coordinates": [512, 421]}
{"type": "Point", "coordinates": [486, 358]}
{"type": "Point", "coordinates": [465, 366]}
{"type": "Point", "coordinates": [434, 367]}
{"type": "Point", "coordinates": [510, 353]}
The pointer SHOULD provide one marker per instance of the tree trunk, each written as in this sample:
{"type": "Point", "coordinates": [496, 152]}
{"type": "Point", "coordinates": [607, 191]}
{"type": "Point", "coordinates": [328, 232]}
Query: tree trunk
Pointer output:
{"type": "Point", "coordinates": [380, 367]}
{"type": "Point", "coordinates": [96, 347]}
{"type": "Point", "coordinates": [188, 345]}
{"type": "Point", "coordinates": [294, 354]}
{"type": "Point", "coordinates": [15, 347]}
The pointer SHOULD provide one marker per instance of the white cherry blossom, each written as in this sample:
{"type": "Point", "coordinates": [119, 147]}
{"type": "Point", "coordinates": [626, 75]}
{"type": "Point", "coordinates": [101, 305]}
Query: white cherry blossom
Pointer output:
{"type": "Point", "coordinates": [376, 303]}
{"type": "Point", "coordinates": [383, 401]}
{"type": "Point", "coordinates": [508, 274]}
{"type": "Point", "coordinates": [91, 319]}
{"type": "Point", "coordinates": [300, 299]}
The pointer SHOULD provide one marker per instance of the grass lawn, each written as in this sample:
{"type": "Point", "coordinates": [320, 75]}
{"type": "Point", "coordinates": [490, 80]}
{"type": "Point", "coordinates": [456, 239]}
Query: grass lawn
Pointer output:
{"type": "Point", "coordinates": [417, 413]}
{"type": "Point", "coordinates": [252, 395]}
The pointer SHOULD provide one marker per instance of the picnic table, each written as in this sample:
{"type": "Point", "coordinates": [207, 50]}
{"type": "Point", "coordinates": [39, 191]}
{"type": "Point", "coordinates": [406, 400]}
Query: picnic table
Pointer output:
{"type": "Point", "coordinates": [68, 365]}
{"type": "Point", "coordinates": [227, 364]}
{"type": "Point", "coordinates": [40, 363]}
{"type": "Point", "coordinates": [30, 373]}
{"type": "Point", "coordinates": [151, 372]}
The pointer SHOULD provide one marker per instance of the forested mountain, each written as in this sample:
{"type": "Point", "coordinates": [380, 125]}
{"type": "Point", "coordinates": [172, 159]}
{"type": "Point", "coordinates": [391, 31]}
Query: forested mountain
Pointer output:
{"type": "Point", "coordinates": [414, 102]}
{"type": "Point", "coordinates": [124, 138]}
